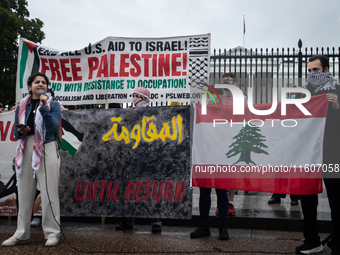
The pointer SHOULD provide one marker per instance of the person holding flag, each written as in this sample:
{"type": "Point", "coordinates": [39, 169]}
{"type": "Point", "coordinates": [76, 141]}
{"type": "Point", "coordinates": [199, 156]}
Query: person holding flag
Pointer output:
{"type": "Point", "coordinates": [320, 81]}
{"type": "Point", "coordinates": [227, 99]}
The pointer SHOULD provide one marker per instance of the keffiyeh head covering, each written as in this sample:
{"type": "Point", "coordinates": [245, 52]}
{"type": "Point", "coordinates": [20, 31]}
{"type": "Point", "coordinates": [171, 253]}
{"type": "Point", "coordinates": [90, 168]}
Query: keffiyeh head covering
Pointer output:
{"type": "Point", "coordinates": [321, 81]}
{"type": "Point", "coordinates": [144, 99]}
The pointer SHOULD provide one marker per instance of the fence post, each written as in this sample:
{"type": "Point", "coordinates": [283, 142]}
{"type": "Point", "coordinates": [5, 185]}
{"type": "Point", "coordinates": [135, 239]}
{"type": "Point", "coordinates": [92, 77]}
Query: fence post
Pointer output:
{"type": "Point", "coordinates": [300, 64]}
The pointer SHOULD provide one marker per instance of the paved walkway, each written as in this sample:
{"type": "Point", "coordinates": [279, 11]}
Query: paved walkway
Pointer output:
{"type": "Point", "coordinates": [103, 238]}
{"type": "Point", "coordinates": [258, 228]}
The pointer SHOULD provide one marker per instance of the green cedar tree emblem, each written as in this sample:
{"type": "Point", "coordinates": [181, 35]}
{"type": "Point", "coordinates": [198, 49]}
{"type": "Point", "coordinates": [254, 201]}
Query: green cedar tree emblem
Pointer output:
{"type": "Point", "coordinates": [248, 140]}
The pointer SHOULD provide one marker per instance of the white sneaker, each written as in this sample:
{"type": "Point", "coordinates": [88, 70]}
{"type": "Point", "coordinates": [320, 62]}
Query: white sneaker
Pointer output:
{"type": "Point", "coordinates": [36, 222]}
{"type": "Point", "coordinates": [14, 241]}
{"type": "Point", "coordinates": [308, 248]}
{"type": "Point", "coordinates": [52, 241]}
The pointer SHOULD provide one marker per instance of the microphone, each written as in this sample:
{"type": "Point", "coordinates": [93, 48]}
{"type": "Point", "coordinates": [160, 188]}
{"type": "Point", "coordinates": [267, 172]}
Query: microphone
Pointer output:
{"type": "Point", "coordinates": [42, 92]}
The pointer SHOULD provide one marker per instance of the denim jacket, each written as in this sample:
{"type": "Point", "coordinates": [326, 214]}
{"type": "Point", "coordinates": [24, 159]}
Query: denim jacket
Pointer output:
{"type": "Point", "coordinates": [51, 120]}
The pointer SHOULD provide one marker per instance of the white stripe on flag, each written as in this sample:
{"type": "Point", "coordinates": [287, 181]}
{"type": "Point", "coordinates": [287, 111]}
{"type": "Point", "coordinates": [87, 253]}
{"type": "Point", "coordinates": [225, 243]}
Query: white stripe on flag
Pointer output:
{"type": "Point", "coordinates": [71, 139]}
{"type": "Point", "coordinates": [287, 146]}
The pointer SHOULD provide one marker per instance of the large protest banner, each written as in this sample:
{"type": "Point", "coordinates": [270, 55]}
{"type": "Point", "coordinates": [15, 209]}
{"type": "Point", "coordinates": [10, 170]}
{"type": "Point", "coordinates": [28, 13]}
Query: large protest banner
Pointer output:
{"type": "Point", "coordinates": [109, 70]}
{"type": "Point", "coordinates": [119, 162]}
{"type": "Point", "coordinates": [8, 144]}
{"type": "Point", "coordinates": [266, 153]}
{"type": "Point", "coordinates": [131, 162]}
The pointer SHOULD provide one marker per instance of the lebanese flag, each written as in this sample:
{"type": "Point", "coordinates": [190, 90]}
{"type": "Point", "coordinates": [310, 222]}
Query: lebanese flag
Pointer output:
{"type": "Point", "coordinates": [273, 153]}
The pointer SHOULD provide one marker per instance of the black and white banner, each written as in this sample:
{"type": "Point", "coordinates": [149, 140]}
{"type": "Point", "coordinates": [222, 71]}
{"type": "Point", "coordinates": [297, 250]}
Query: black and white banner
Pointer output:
{"type": "Point", "coordinates": [115, 162]}
{"type": "Point", "coordinates": [131, 162]}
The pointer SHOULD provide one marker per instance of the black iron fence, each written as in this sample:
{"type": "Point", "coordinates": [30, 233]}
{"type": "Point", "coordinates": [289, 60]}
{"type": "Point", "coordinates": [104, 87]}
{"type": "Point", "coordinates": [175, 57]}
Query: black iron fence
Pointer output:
{"type": "Point", "coordinates": [263, 69]}
{"type": "Point", "coordinates": [260, 68]}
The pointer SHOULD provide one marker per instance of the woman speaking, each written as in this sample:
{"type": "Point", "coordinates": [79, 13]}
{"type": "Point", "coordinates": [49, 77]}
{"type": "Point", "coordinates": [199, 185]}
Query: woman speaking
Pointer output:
{"type": "Point", "coordinates": [37, 161]}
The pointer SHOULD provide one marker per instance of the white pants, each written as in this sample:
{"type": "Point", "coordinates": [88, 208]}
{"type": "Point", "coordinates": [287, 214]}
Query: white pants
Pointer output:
{"type": "Point", "coordinates": [27, 187]}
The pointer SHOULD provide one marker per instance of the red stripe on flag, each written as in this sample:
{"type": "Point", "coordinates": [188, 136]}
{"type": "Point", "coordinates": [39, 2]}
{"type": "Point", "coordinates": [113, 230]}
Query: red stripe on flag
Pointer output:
{"type": "Point", "coordinates": [30, 45]}
{"type": "Point", "coordinates": [281, 186]}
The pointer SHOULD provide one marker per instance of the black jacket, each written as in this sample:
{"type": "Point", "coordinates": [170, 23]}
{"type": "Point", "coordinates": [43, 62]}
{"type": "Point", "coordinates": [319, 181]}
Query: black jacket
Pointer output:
{"type": "Point", "coordinates": [332, 128]}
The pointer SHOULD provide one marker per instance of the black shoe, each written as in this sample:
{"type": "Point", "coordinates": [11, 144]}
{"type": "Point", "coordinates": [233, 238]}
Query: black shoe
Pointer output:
{"type": "Point", "coordinates": [274, 200]}
{"type": "Point", "coordinates": [335, 247]}
{"type": "Point", "coordinates": [223, 233]}
{"type": "Point", "coordinates": [202, 231]}
{"type": "Point", "coordinates": [308, 248]}
{"type": "Point", "coordinates": [123, 226]}
{"type": "Point", "coordinates": [156, 229]}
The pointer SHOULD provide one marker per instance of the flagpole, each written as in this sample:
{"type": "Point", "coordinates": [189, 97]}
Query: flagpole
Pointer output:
{"type": "Point", "coordinates": [244, 31]}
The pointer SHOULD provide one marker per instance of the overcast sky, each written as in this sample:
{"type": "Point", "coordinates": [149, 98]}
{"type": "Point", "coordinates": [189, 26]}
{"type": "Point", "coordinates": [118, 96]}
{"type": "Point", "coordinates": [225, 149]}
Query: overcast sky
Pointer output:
{"type": "Point", "coordinates": [73, 24]}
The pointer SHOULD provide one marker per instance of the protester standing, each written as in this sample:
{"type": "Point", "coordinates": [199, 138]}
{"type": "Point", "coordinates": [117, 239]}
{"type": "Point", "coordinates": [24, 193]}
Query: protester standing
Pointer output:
{"type": "Point", "coordinates": [37, 161]}
{"type": "Point", "coordinates": [320, 81]}
{"type": "Point", "coordinates": [141, 98]}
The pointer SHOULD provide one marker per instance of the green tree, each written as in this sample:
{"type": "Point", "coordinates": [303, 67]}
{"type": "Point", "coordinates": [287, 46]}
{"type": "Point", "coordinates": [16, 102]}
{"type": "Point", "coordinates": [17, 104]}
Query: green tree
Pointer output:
{"type": "Point", "coordinates": [14, 22]}
{"type": "Point", "coordinates": [248, 140]}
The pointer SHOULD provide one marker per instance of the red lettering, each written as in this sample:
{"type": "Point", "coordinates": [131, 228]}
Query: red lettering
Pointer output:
{"type": "Point", "coordinates": [108, 193]}
{"type": "Point", "coordinates": [179, 191]}
{"type": "Point", "coordinates": [159, 191]}
{"type": "Point", "coordinates": [93, 63]}
{"type": "Point", "coordinates": [12, 137]}
{"type": "Point", "coordinates": [54, 67]}
{"type": "Point", "coordinates": [146, 58]}
{"type": "Point", "coordinates": [102, 189]}
{"type": "Point", "coordinates": [44, 66]}
{"type": "Point", "coordinates": [148, 184]}
{"type": "Point", "coordinates": [185, 60]}
{"type": "Point", "coordinates": [114, 195]}
{"type": "Point", "coordinates": [135, 72]}
{"type": "Point", "coordinates": [2, 132]}
{"type": "Point", "coordinates": [138, 191]}
{"type": "Point", "coordinates": [112, 66]}
{"type": "Point", "coordinates": [91, 191]}
{"type": "Point", "coordinates": [129, 190]}
{"type": "Point", "coordinates": [65, 69]}
{"type": "Point", "coordinates": [169, 186]}
{"type": "Point", "coordinates": [123, 65]}
{"type": "Point", "coordinates": [164, 65]}
{"type": "Point", "coordinates": [76, 196]}
{"type": "Point", "coordinates": [103, 68]}
{"type": "Point", "coordinates": [154, 65]}
{"type": "Point", "coordinates": [175, 64]}
{"type": "Point", "coordinates": [76, 69]}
